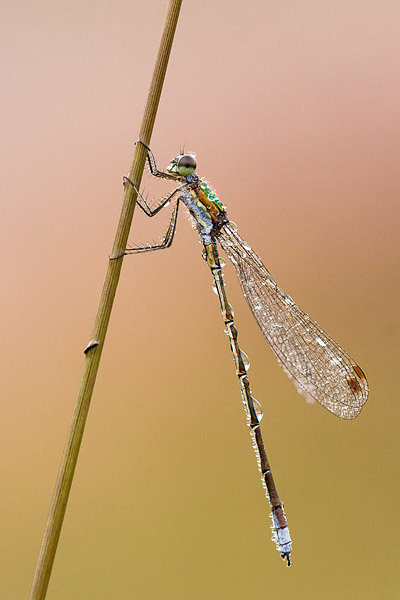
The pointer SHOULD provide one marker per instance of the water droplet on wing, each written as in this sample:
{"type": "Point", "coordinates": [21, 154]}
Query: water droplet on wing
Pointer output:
{"type": "Point", "coordinates": [233, 226]}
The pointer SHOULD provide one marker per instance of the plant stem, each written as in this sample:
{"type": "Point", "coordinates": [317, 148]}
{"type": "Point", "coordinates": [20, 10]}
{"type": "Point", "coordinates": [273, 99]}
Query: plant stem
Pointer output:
{"type": "Point", "coordinates": [94, 350]}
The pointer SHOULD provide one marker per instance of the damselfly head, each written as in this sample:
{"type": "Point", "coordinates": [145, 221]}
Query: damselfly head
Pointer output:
{"type": "Point", "coordinates": [184, 165]}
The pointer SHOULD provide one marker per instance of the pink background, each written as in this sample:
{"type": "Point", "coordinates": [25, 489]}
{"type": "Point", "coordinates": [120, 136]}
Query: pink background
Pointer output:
{"type": "Point", "coordinates": [293, 109]}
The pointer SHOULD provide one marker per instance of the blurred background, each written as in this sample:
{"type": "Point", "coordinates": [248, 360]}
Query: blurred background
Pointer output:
{"type": "Point", "coordinates": [293, 109]}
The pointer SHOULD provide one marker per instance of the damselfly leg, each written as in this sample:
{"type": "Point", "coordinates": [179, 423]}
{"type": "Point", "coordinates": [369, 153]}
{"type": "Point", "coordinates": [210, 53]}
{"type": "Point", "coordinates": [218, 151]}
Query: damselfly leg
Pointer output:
{"type": "Point", "coordinates": [142, 202]}
{"type": "Point", "coordinates": [167, 238]}
{"type": "Point", "coordinates": [151, 161]}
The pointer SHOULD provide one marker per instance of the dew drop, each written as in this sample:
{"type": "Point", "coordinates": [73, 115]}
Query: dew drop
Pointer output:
{"type": "Point", "coordinates": [307, 336]}
{"type": "Point", "coordinates": [245, 359]}
{"type": "Point", "coordinates": [222, 262]}
{"type": "Point", "coordinates": [233, 226]}
{"type": "Point", "coordinates": [257, 408]}
{"type": "Point", "coordinates": [214, 287]}
{"type": "Point", "coordinates": [288, 300]}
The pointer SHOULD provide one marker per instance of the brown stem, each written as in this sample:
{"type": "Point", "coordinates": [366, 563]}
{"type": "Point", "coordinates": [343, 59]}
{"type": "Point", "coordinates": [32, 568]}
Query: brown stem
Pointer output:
{"type": "Point", "coordinates": [95, 347]}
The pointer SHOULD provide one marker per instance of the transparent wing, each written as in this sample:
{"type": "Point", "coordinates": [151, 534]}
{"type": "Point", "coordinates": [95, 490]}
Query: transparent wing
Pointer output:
{"type": "Point", "coordinates": [319, 368]}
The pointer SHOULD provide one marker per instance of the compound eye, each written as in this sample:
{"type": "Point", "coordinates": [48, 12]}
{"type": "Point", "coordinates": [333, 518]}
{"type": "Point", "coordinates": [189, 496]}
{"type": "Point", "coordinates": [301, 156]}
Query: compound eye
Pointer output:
{"type": "Point", "coordinates": [186, 164]}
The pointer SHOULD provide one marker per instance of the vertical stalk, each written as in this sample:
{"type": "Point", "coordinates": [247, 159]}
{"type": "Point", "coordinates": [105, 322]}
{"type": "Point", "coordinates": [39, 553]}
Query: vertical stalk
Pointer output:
{"type": "Point", "coordinates": [95, 347]}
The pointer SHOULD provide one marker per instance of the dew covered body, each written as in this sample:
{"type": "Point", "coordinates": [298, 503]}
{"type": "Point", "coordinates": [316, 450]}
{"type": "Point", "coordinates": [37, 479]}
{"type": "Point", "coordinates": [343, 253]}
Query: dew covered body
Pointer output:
{"type": "Point", "coordinates": [319, 368]}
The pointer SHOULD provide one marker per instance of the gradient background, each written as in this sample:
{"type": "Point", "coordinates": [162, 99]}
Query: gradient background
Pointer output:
{"type": "Point", "coordinates": [293, 109]}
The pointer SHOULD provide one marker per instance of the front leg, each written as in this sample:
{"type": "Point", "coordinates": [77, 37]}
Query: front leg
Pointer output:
{"type": "Point", "coordinates": [153, 165]}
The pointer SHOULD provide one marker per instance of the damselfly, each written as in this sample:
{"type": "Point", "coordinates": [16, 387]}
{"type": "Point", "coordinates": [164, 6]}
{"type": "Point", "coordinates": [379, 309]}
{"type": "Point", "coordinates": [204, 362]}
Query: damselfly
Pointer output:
{"type": "Point", "coordinates": [316, 364]}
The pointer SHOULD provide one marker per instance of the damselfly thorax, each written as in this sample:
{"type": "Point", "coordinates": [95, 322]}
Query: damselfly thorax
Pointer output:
{"type": "Point", "coordinates": [207, 212]}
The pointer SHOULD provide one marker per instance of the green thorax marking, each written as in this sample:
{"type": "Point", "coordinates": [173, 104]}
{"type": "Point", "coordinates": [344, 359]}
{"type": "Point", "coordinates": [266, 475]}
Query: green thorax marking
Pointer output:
{"type": "Point", "coordinates": [212, 196]}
